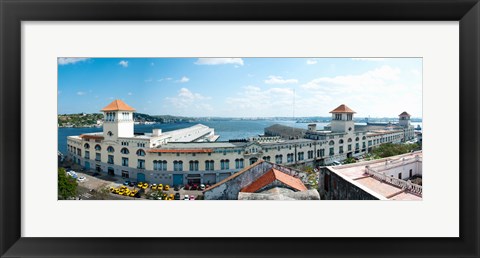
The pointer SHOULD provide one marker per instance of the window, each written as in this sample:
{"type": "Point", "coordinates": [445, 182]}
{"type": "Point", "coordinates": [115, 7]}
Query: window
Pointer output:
{"type": "Point", "coordinates": [289, 157]}
{"type": "Point", "coordinates": [338, 117]}
{"type": "Point", "coordinates": [239, 163]}
{"type": "Point", "coordinates": [356, 146]}
{"type": "Point", "coordinates": [125, 174]}
{"type": "Point", "coordinates": [326, 181]}
{"type": "Point", "coordinates": [349, 117]}
{"type": "Point", "coordinates": [410, 173]}
{"type": "Point", "coordinates": [141, 164]}
{"type": "Point", "coordinates": [110, 149]}
{"type": "Point", "coordinates": [125, 162]}
{"type": "Point", "coordinates": [331, 143]}
{"type": "Point", "coordinates": [110, 133]}
{"type": "Point", "coordinates": [98, 148]}
{"type": "Point", "coordinates": [399, 175]}
{"type": "Point", "coordinates": [332, 151]}
{"type": "Point", "coordinates": [86, 146]}
{"type": "Point", "coordinates": [225, 164]}
{"type": "Point", "coordinates": [110, 159]}
{"type": "Point", "coordinates": [349, 147]}
{"type": "Point", "coordinates": [124, 151]}
{"type": "Point", "coordinates": [87, 154]}
{"type": "Point", "coordinates": [340, 150]}
{"type": "Point", "coordinates": [363, 145]}
{"type": "Point", "coordinates": [340, 141]}
{"type": "Point", "coordinates": [310, 154]}
{"type": "Point", "coordinates": [98, 157]}
{"type": "Point", "coordinates": [177, 165]}
{"type": "Point", "coordinates": [266, 158]}
{"type": "Point", "coordinates": [193, 165]}
{"type": "Point", "coordinates": [278, 159]}
{"type": "Point", "coordinates": [209, 164]}
{"type": "Point", "coordinates": [349, 140]}
{"type": "Point", "coordinates": [140, 152]}
{"type": "Point", "coordinates": [253, 160]}
{"type": "Point", "coordinates": [300, 156]}
{"type": "Point", "coordinates": [356, 139]}
{"type": "Point", "coordinates": [322, 152]}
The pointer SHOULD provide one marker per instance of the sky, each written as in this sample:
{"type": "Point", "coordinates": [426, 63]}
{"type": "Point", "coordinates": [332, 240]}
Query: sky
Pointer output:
{"type": "Point", "coordinates": [242, 87]}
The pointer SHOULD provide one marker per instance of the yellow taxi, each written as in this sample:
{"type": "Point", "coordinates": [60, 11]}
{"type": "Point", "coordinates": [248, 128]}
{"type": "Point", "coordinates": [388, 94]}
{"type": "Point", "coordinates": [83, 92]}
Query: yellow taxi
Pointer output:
{"type": "Point", "coordinates": [167, 187]}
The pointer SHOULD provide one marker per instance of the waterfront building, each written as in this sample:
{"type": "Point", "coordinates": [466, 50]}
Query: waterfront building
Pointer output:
{"type": "Point", "coordinates": [193, 155]}
{"type": "Point", "coordinates": [389, 178]}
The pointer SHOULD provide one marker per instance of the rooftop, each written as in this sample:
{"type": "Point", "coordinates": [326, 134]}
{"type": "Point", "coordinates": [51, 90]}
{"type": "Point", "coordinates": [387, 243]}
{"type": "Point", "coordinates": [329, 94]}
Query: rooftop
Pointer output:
{"type": "Point", "coordinates": [271, 176]}
{"type": "Point", "coordinates": [118, 105]}
{"type": "Point", "coordinates": [404, 113]}
{"type": "Point", "coordinates": [342, 109]}
{"type": "Point", "coordinates": [357, 174]}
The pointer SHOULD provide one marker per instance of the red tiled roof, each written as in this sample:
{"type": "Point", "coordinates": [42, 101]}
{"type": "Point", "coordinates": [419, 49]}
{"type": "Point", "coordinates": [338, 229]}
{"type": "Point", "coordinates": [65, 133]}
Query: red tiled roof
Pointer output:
{"type": "Point", "coordinates": [404, 114]}
{"type": "Point", "coordinates": [181, 151]}
{"type": "Point", "coordinates": [118, 105]}
{"type": "Point", "coordinates": [342, 109]}
{"type": "Point", "coordinates": [270, 177]}
{"type": "Point", "coordinates": [95, 137]}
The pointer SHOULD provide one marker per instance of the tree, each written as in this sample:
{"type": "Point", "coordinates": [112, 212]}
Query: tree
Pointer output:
{"type": "Point", "coordinates": [390, 149]}
{"type": "Point", "coordinates": [67, 186]}
{"type": "Point", "coordinates": [349, 160]}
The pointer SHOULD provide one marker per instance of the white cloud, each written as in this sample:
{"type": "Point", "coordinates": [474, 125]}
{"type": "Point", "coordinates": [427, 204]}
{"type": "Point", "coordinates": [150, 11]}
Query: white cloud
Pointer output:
{"type": "Point", "coordinates": [416, 72]}
{"type": "Point", "coordinates": [377, 59]}
{"type": "Point", "coordinates": [188, 102]}
{"type": "Point", "coordinates": [257, 102]}
{"type": "Point", "coordinates": [70, 60]}
{"type": "Point", "coordinates": [279, 80]}
{"type": "Point", "coordinates": [219, 61]}
{"type": "Point", "coordinates": [311, 61]}
{"type": "Point", "coordinates": [184, 79]}
{"type": "Point", "coordinates": [129, 94]}
{"type": "Point", "coordinates": [81, 93]}
{"type": "Point", "coordinates": [123, 63]}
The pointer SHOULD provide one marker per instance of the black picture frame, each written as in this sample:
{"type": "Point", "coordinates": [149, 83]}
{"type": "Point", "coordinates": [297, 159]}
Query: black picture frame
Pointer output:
{"type": "Point", "coordinates": [13, 12]}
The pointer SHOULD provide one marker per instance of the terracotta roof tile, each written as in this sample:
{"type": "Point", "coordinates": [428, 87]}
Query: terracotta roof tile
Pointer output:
{"type": "Point", "coordinates": [404, 114]}
{"type": "Point", "coordinates": [118, 105]}
{"type": "Point", "coordinates": [270, 177]}
{"type": "Point", "coordinates": [342, 109]}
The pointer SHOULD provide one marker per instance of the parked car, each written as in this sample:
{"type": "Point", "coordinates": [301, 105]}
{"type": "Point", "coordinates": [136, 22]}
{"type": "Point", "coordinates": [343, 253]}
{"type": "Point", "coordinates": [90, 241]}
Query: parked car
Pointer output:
{"type": "Point", "coordinates": [194, 187]}
{"type": "Point", "coordinates": [192, 197]}
{"type": "Point", "coordinates": [186, 197]}
{"type": "Point", "coordinates": [176, 187]}
{"type": "Point", "coordinates": [186, 187]}
{"type": "Point", "coordinates": [166, 188]}
{"type": "Point", "coordinates": [132, 184]}
{"type": "Point", "coordinates": [154, 187]}
{"type": "Point", "coordinates": [202, 187]}
{"type": "Point", "coordinates": [81, 179]}
{"type": "Point", "coordinates": [160, 187]}
{"type": "Point", "coordinates": [177, 196]}
{"type": "Point", "coordinates": [96, 174]}
{"type": "Point", "coordinates": [126, 183]}
{"type": "Point", "coordinates": [140, 184]}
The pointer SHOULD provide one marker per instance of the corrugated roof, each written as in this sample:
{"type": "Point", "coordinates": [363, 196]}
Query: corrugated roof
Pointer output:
{"type": "Point", "coordinates": [118, 105]}
{"type": "Point", "coordinates": [342, 109]}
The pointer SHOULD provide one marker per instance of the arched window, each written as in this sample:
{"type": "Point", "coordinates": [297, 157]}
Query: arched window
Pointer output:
{"type": "Point", "coordinates": [86, 146]}
{"type": "Point", "coordinates": [124, 151]}
{"type": "Point", "coordinates": [349, 139]}
{"type": "Point", "coordinates": [110, 149]}
{"type": "Point", "coordinates": [341, 141]}
{"type": "Point", "coordinates": [140, 152]}
{"type": "Point", "coordinates": [98, 148]}
{"type": "Point", "coordinates": [356, 139]}
{"type": "Point", "coordinates": [110, 133]}
{"type": "Point", "coordinates": [363, 138]}
{"type": "Point", "coordinates": [331, 143]}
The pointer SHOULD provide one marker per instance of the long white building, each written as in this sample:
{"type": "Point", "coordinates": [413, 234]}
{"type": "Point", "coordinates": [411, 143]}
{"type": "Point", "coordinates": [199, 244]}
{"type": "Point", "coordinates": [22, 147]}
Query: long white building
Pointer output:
{"type": "Point", "coordinates": [192, 155]}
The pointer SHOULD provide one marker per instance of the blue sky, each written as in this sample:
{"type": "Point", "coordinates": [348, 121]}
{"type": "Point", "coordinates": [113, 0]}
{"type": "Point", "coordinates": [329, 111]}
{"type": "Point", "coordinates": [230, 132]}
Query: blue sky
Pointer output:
{"type": "Point", "coordinates": [242, 87]}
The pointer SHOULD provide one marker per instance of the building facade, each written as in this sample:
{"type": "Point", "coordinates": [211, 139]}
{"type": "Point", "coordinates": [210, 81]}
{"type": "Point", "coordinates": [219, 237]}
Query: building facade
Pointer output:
{"type": "Point", "coordinates": [192, 155]}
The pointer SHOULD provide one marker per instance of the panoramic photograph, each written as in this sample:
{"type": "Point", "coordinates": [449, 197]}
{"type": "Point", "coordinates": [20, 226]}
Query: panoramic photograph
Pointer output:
{"type": "Point", "coordinates": [200, 129]}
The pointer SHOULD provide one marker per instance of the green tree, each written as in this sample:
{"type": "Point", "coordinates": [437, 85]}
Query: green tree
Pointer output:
{"type": "Point", "coordinates": [349, 160]}
{"type": "Point", "coordinates": [390, 149]}
{"type": "Point", "coordinates": [67, 186]}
